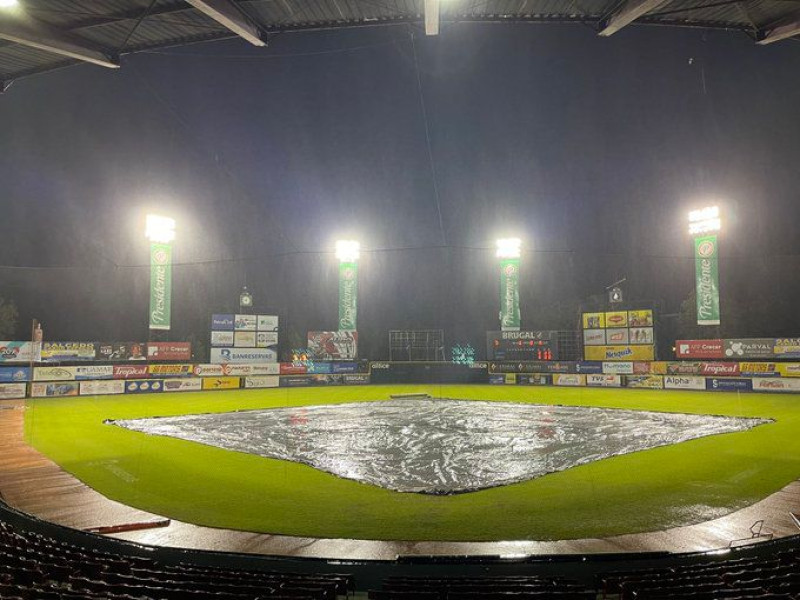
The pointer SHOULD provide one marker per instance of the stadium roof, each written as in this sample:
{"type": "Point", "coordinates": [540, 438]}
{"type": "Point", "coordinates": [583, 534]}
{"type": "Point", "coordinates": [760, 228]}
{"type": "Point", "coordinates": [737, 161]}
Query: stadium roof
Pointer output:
{"type": "Point", "coordinates": [41, 35]}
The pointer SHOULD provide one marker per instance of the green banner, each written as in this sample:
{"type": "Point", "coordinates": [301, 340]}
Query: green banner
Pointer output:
{"type": "Point", "coordinates": [706, 259]}
{"type": "Point", "coordinates": [348, 296]}
{"type": "Point", "coordinates": [160, 285]}
{"type": "Point", "coordinates": [509, 294]}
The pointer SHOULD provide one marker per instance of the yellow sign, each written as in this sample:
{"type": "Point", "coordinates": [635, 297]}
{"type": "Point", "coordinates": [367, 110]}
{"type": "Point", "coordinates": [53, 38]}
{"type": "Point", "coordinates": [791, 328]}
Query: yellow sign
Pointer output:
{"type": "Point", "coordinates": [594, 320]}
{"type": "Point", "coordinates": [640, 318]}
{"type": "Point", "coordinates": [610, 353]}
{"type": "Point", "coordinates": [658, 367]}
{"type": "Point", "coordinates": [789, 369]}
{"type": "Point", "coordinates": [167, 370]}
{"type": "Point", "coordinates": [617, 319]}
{"type": "Point", "coordinates": [220, 383]}
{"type": "Point", "coordinates": [511, 378]}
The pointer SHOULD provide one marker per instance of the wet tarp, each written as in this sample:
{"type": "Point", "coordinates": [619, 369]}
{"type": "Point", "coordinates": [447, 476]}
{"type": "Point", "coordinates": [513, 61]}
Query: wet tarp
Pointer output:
{"type": "Point", "coordinates": [439, 446]}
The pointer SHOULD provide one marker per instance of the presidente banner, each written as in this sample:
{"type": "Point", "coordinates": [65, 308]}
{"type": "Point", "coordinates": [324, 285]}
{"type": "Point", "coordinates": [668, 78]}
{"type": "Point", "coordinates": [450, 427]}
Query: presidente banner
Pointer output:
{"type": "Point", "coordinates": [160, 285]}
{"type": "Point", "coordinates": [333, 345]}
{"type": "Point", "coordinates": [348, 296]}
{"type": "Point", "coordinates": [509, 294]}
{"type": "Point", "coordinates": [706, 261]}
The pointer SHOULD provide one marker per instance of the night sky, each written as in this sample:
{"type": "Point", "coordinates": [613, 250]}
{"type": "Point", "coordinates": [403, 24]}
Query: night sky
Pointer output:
{"type": "Point", "coordinates": [591, 150]}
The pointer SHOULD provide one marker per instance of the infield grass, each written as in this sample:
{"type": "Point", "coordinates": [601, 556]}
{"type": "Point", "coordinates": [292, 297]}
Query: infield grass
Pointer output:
{"type": "Point", "coordinates": [651, 490]}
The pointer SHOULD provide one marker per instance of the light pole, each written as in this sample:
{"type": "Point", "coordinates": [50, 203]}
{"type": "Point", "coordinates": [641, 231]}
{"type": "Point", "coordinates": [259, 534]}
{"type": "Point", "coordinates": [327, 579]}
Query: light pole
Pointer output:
{"type": "Point", "coordinates": [348, 253]}
{"type": "Point", "coordinates": [161, 233]}
{"type": "Point", "coordinates": [704, 224]}
{"type": "Point", "coordinates": [508, 251]}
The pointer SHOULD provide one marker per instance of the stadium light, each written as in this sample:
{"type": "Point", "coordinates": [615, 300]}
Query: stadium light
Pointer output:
{"type": "Point", "coordinates": [508, 247]}
{"type": "Point", "coordinates": [8, 3]}
{"type": "Point", "coordinates": [160, 230]}
{"type": "Point", "coordinates": [348, 251]}
{"type": "Point", "coordinates": [704, 220]}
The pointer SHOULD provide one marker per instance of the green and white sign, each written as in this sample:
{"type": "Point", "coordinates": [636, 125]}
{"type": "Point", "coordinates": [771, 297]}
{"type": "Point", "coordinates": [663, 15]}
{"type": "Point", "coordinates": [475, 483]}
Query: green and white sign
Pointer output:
{"type": "Point", "coordinates": [160, 285]}
{"type": "Point", "coordinates": [509, 294]}
{"type": "Point", "coordinates": [348, 296]}
{"type": "Point", "coordinates": [706, 260]}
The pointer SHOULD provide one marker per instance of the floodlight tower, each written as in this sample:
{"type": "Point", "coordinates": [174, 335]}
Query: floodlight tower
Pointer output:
{"type": "Point", "coordinates": [508, 251]}
{"type": "Point", "coordinates": [161, 233]}
{"type": "Point", "coordinates": [704, 224]}
{"type": "Point", "coordinates": [348, 253]}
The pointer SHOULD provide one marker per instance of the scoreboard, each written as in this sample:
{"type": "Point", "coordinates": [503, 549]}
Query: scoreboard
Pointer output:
{"type": "Point", "coordinates": [521, 345]}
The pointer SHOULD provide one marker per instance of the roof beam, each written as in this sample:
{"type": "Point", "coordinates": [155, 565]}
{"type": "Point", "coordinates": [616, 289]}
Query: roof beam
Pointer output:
{"type": "Point", "coordinates": [627, 13]}
{"type": "Point", "coordinates": [431, 17]}
{"type": "Point", "coordinates": [230, 16]}
{"type": "Point", "coordinates": [36, 34]}
{"type": "Point", "coordinates": [778, 33]}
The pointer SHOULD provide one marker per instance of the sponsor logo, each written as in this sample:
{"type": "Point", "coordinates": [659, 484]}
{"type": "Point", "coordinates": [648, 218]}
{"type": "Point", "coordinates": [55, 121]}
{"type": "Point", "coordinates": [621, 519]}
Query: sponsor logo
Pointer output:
{"type": "Point", "coordinates": [617, 354]}
{"type": "Point", "coordinates": [652, 382]}
{"type": "Point", "coordinates": [129, 371]}
{"type": "Point", "coordinates": [604, 380]}
{"type": "Point", "coordinates": [589, 367]}
{"type": "Point", "coordinates": [756, 348]}
{"type": "Point", "coordinates": [524, 335]}
{"type": "Point", "coordinates": [719, 368]}
{"type": "Point", "coordinates": [733, 385]}
{"type": "Point", "coordinates": [621, 368]}
{"type": "Point", "coordinates": [380, 365]}
{"type": "Point", "coordinates": [10, 391]}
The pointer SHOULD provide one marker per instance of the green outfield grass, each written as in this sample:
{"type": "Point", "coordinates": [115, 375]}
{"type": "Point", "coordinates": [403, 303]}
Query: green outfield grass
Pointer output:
{"type": "Point", "coordinates": [651, 490]}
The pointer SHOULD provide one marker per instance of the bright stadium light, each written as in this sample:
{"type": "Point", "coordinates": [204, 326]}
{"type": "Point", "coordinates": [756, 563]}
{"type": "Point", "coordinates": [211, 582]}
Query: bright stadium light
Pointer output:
{"type": "Point", "coordinates": [160, 229]}
{"type": "Point", "coordinates": [508, 248]}
{"type": "Point", "coordinates": [348, 251]}
{"type": "Point", "coordinates": [704, 220]}
{"type": "Point", "coordinates": [8, 3]}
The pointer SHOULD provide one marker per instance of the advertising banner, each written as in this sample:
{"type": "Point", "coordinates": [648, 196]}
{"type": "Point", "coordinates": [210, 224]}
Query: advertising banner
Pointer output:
{"type": "Point", "coordinates": [244, 339]}
{"type": "Point", "coordinates": [332, 345]}
{"type": "Point", "coordinates": [719, 369]}
{"type": "Point", "coordinates": [67, 351]}
{"type": "Point", "coordinates": [533, 379]}
{"type": "Point", "coordinates": [594, 337]}
{"type": "Point", "coordinates": [616, 319]}
{"type": "Point", "coordinates": [129, 371]}
{"type": "Point", "coordinates": [789, 369]}
{"type": "Point", "coordinates": [348, 296]}
{"type": "Point", "coordinates": [650, 382]}
{"type": "Point", "coordinates": [296, 381]}
{"type": "Point", "coordinates": [699, 349]}
{"type": "Point", "coordinates": [18, 352]}
{"type": "Point", "coordinates": [190, 384]}
{"type": "Point", "coordinates": [658, 367]}
{"type": "Point", "coordinates": [245, 322]}
{"type": "Point", "coordinates": [93, 372]}
{"type": "Point", "coordinates": [267, 323]}
{"type": "Point", "coordinates": [643, 367]}
{"type": "Point", "coordinates": [319, 367]}
{"type": "Point", "coordinates": [759, 369]}
{"type": "Point", "coordinates": [209, 370]}
{"type": "Point", "coordinates": [739, 384]}
{"type": "Point", "coordinates": [570, 380]}
{"type": "Point", "coordinates": [170, 370]}
{"type": "Point", "coordinates": [262, 381]}
{"type": "Point", "coordinates": [13, 374]}
{"type": "Point", "coordinates": [102, 388]}
{"type": "Point", "coordinates": [618, 368]}
{"type": "Point", "coordinates": [787, 348]}
{"type": "Point", "coordinates": [328, 379]}
{"type": "Point", "coordinates": [641, 335]}
{"type": "Point", "coordinates": [222, 322]}
{"type": "Point", "coordinates": [160, 285]}
{"type": "Point", "coordinates": [243, 370]}
{"type": "Point", "coordinates": [293, 369]}
{"type": "Point", "coordinates": [243, 355]}
{"type": "Point", "coordinates": [511, 378]}
{"type": "Point", "coordinates": [355, 379]}
{"type": "Point", "coordinates": [169, 351]}
{"type": "Point", "coordinates": [221, 383]}
{"type": "Point", "coordinates": [604, 380]}
{"type": "Point", "coordinates": [509, 294]}
{"type": "Point", "coordinates": [146, 386]}
{"type": "Point", "coordinates": [684, 382]}
{"type": "Point", "coordinates": [776, 384]}
{"type": "Point", "coordinates": [594, 320]}
{"type": "Point", "coordinates": [267, 339]}
{"type": "Point", "coordinates": [684, 368]}
{"type": "Point", "coordinates": [589, 367]}
{"type": "Point", "coordinates": [54, 373]}
{"type": "Point", "coordinates": [46, 390]}
{"type": "Point", "coordinates": [119, 351]}
{"type": "Point", "coordinates": [222, 338]}
{"type": "Point", "coordinates": [706, 261]}
{"type": "Point", "coordinates": [497, 379]}
{"type": "Point", "coordinates": [608, 353]}
{"type": "Point", "coordinates": [640, 318]}
{"type": "Point", "coordinates": [750, 348]}
{"type": "Point", "coordinates": [344, 367]}
{"type": "Point", "coordinates": [11, 391]}
{"type": "Point", "coordinates": [617, 336]}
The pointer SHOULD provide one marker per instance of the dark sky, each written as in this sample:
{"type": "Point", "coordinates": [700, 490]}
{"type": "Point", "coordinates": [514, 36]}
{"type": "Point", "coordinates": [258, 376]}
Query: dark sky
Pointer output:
{"type": "Point", "coordinates": [591, 150]}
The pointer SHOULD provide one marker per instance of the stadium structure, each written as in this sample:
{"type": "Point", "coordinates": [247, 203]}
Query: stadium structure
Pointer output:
{"type": "Point", "coordinates": [558, 464]}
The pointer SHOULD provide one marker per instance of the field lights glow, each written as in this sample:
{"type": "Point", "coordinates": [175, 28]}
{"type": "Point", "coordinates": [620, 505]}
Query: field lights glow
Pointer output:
{"type": "Point", "coordinates": [348, 250]}
{"type": "Point", "coordinates": [704, 220]}
{"type": "Point", "coordinates": [508, 248]}
{"type": "Point", "coordinates": [8, 3]}
{"type": "Point", "coordinates": [159, 229]}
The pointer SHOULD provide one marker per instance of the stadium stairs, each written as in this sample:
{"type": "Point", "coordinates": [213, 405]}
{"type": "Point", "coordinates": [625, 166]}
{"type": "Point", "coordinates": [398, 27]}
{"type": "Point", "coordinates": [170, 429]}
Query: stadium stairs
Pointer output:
{"type": "Point", "coordinates": [44, 561]}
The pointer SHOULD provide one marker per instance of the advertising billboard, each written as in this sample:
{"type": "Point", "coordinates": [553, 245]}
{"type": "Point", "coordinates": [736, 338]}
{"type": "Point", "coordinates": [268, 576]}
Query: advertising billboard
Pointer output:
{"type": "Point", "coordinates": [609, 353]}
{"type": "Point", "coordinates": [67, 351]}
{"type": "Point", "coordinates": [170, 370]}
{"type": "Point", "coordinates": [603, 380]}
{"type": "Point", "coordinates": [759, 369]}
{"type": "Point", "coordinates": [750, 348]}
{"type": "Point", "coordinates": [18, 352]}
{"type": "Point", "coordinates": [650, 382]}
{"type": "Point", "coordinates": [617, 336]}
{"type": "Point", "coordinates": [266, 339]}
{"type": "Point", "coordinates": [699, 349]}
{"type": "Point", "coordinates": [222, 322]}
{"type": "Point", "coordinates": [14, 374]}
{"type": "Point", "coordinates": [190, 384]}
{"type": "Point", "coordinates": [55, 389]}
{"type": "Point", "coordinates": [53, 374]}
{"type": "Point", "coordinates": [618, 368]}
{"type": "Point", "coordinates": [146, 386]}
{"type": "Point", "coordinates": [355, 379]}
{"type": "Point", "coordinates": [267, 323]}
{"type": "Point", "coordinates": [789, 369]}
{"type": "Point", "coordinates": [589, 367]}
{"type": "Point", "coordinates": [594, 337]}
{"type": "Point", "coordinates": [616, 319]}
{"type": "Point", "coordinates": [169, 351]}
{"type": "Point", "coordinates": [102, 388]}
{"type": "Point", "coordinates": [640, 335]}
{"type": "Point", "coordinates": [222, 338]}
{"type": "Point", "coordinates": [684, 382]}
{"type": "Point", "coordinates": [221, 383]}
{"type": "Point", "coordinates": [262, 381]}
{"type": "Point", "coordinates": [129, 371]}
{"type": "Point", "coordinates": [776, 384]}
{"type": "Point", "coordinates": [787, 348]}
{"type": "Point", "coordinates": [243, 370]}
{"type": "Point", "coordinates": [120, 351]}
{"type": "Point", "coordinates": [244, 339]}
{"type": "Point", "coordinates": [719, 369]}
{"type": "Point", "coordinates": [243, 355]}
{"type": "Point", "coordinates": [594, 320]}
{"type": "Point", "coordinates": [332, 345]}
{"type": "Point", "coordinates": [245, 322]}
{"type": "Point", "coordinates": [11, 391]}
{"type": "Point", "coordinates": [640, 318]}
{"type": "Point", "coordinates": [569, 380]}
{"type": "Point", "coordinates": [533, 379]}
{"type": "Point", "coordinates": [739, 384]}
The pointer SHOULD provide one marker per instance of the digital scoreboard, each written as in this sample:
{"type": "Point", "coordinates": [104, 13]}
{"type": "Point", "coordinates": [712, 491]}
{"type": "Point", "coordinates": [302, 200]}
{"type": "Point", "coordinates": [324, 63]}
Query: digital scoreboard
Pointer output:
{"type": "Point", "coordinates": [521, 345]}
